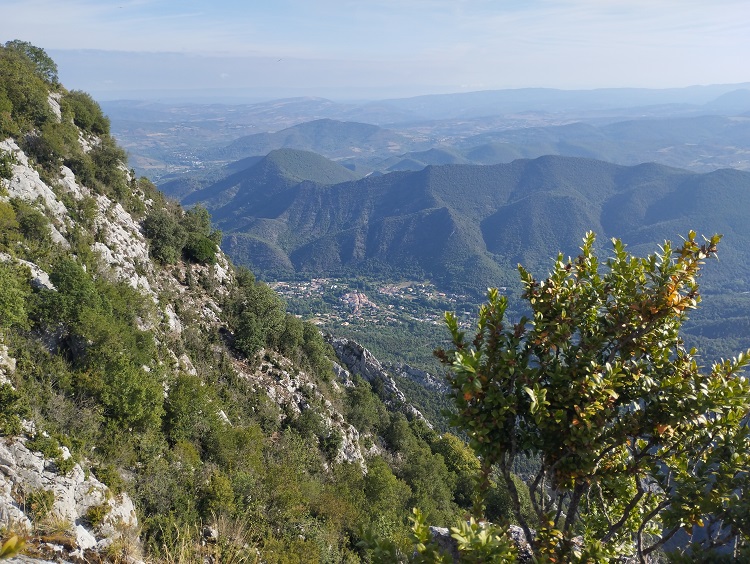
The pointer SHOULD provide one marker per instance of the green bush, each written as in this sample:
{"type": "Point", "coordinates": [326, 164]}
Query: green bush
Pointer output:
{"type": "Point", "coordinates": [317, 353]}
{"type": "Point", "coordinates": [364, 409]}
{"type": "Point", "coordinates": [32, 223]}
{"type": "Point", "coordinates": [189, 414]}
{"type": "Point", "coordinates": [598, 389]}
{"type": "Point", "coordinates": [108, 475]}
{"type": "Point", "coordinates": [462, 462]}
{"type": "Point", "coordinates": [96, 514]}
{"type": "Point", "coordinates": [12, 408]}
{"type": "Point", "coordinates": [132, 397]}
{"type": "Point", "coordinates": [165, 234]}
{"type": "Point", "coordinates": [9, 228]}
{"type": "Point", "coordinates": [108, 160]}
{"type": "Point", "coordinates": [256, 315]}
{"type": "Point", "coordinates": [291, 337]}
{"type": "Point", "coordinates": [64, 465]}
{"type": "Point", "coordinates": [199, 248]}
{"type": "Point", "coordinates": [386, 494]}
{"type": "Point", "coordinates": [52, 144]}
{"type": "Point", "coordinates": [44, 67]}
{"type": "Point", "coordinates": [86, 113]}
{"type": "Point", "coordinates": [7, 160]}
{"type": "Point", "coordinates": [48, 446]}
{"type": "Point", "coordinates": [216, 496]}
{"type": "Point", "coordinates": [83, 167]}
{"type": "Point", "coordinates": [14, 292]}
{"type": "Point", "coordinates": [23, 94]}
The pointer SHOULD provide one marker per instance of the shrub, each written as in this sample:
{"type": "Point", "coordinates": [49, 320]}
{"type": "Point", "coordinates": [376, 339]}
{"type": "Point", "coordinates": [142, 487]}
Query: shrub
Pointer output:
{"type": "Point", "coordinates": [48, 446]}
{"type": "Point", "coordinates": [96, 514]}
{"type": "Point", "coordinates": [108, 475]}
{"type": "Point", "coordinates": [364, 409]}
{"type": "Point", "coordinates": [12, 408]}
{"type": "Point", "coordinates": [38, 503]}
{"type": "Point", "coordinates": [23, 94]}
{"type": "Point", "coordinates": [14, 292]}
{"type": "Point", "coordinates": [44, 67]}
{"type": "Point", "coordinates": [51, 144]}
{"type": "Point", "coordinates": [132, 397]}
{"type": "Point", "coordinates": [32, 223]}
{"type": "Point", "coordinates": [257, 316]}
{"type": "Point", "coordinates": [165, 234]}
{"type": "Point", "coordinates": [87, 114]}
{"type": "Point", "coordinates": [7, 160]}
{"type": "Point", "coordinates": [216, 495]}
{"type": "Point", "coordinates": [628, 430]}
{"type": "Point", "coordinates": [199, 248]}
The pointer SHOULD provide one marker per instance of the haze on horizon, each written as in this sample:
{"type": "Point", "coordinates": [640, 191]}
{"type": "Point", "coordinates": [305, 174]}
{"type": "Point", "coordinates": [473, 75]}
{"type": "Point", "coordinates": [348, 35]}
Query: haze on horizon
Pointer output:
{"type": "Point", "coordinates": [380, 48]}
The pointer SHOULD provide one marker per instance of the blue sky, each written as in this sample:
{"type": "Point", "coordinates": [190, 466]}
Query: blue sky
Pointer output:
{"type": "Point", "coordinates": [384, 47]}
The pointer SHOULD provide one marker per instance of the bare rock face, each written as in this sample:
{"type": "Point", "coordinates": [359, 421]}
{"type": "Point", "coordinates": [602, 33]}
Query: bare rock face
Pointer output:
{"type": "Point", "coordinates": [54, 104]}
{"type": "Point", "coordinates": [358, 360]}
{"type": "Point", "coordinates": [7, 363]}
{"type": "Point", "coordinates": [124, 248]}
{"type": "Point", "coordinates": [39, 278]}
{"type": "Point", "coordinates": [26, 184]}
{"type": "Point", "coordinates": [70, 184]}
{"type": "Point", "coordinates": [69, 501]}
{"type": "Point", "coordinates": [421, 377]}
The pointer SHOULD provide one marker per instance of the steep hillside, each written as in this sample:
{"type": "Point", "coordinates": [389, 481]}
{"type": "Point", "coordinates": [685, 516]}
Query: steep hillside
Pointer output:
{"type": "Point", "coordinates": [155, 402]}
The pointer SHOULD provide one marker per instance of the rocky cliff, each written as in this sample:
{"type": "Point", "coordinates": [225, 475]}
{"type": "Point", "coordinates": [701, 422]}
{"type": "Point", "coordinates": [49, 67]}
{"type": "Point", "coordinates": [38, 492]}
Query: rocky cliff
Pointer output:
{"type": "Point", "coordinates": [356, 359]}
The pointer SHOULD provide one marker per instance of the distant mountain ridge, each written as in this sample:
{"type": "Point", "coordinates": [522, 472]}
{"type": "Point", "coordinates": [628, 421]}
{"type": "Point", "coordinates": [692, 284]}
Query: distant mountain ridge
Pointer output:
{"type": "Point", "coordinates": [164, 139]}
{"type": "Point", "coordinates": [699, 143]}
{"type": "Point", "coordinates": [335, 139]}
{"type": "Point", "coordinates": [492, 102]}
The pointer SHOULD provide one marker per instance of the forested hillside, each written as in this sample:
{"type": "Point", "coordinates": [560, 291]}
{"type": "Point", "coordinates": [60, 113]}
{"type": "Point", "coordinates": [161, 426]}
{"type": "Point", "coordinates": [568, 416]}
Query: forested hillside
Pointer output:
{"type": "Point", "coordinates": [431, 221]}
{"type": "Point", "coordinates": [137, 363]}
{"type": "Point", "coordinates": [466, 227]}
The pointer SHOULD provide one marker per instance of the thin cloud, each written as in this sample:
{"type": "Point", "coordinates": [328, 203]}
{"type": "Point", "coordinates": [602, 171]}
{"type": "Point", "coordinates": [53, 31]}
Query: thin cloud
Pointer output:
{"type": "Point", "coordinates": [494, 43]}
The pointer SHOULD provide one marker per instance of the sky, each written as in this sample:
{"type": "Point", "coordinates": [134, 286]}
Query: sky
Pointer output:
{"type": "Point", "coordinates": [382, 48]}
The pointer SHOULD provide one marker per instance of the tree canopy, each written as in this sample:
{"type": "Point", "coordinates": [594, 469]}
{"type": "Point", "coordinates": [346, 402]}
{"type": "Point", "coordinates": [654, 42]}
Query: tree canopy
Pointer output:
{"type": "Point", "coordinates": [44, 66]}
{"type": "Point", "coordinates": [634, 439]}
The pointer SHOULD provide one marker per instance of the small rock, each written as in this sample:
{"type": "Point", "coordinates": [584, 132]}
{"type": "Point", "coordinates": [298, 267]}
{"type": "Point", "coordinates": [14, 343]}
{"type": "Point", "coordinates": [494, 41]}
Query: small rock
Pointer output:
{"type": "Point", "coordinates": [210, 535]}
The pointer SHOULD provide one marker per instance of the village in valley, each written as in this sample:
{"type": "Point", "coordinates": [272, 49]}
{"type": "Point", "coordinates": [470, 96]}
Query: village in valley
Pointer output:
{"type": "Point", "coordinates": [332, 302]}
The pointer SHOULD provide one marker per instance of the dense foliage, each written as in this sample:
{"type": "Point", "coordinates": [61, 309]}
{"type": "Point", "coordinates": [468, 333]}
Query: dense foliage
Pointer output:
{"type": "Point", "coordinates": [635, 440]}
{"type": "Point", "coordinates": [175, 234]}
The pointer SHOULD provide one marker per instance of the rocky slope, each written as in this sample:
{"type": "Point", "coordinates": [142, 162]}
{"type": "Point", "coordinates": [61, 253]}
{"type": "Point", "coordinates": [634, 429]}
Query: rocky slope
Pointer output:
{"type": "Point", "coordinates": [63, 523]}
{"type": "Point", "coordinates": [144, 397]}
{"type": "Point", "coordinates": [123, 252]}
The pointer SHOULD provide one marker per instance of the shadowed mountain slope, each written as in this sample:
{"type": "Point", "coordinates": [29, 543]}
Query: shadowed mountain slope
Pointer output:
{"type": "Point", "coordinates": [465, 226]}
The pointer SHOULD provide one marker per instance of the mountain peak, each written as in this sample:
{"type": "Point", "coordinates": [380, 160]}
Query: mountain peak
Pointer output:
{"type": "Point", "coordinates": [306, 165]}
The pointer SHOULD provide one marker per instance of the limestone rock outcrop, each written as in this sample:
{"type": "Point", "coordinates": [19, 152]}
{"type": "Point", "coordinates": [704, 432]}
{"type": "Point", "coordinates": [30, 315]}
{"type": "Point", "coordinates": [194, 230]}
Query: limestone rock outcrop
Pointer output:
{"type": "Point", "coordinates": [356, 359]}
{"type": "Point", "coordinates": [54, 510]}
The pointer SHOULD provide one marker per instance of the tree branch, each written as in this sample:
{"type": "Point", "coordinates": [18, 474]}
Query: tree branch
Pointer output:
{"type": "Point", "coordinates": [625, 514]}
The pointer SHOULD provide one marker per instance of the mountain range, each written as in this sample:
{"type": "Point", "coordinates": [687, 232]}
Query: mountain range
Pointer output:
{"type": "Point", "coordinates": [699, 143]}
{"type": "Point", "coordinates": [165, 138]}
{"type": "Point", "coordinates": [463, 226]}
